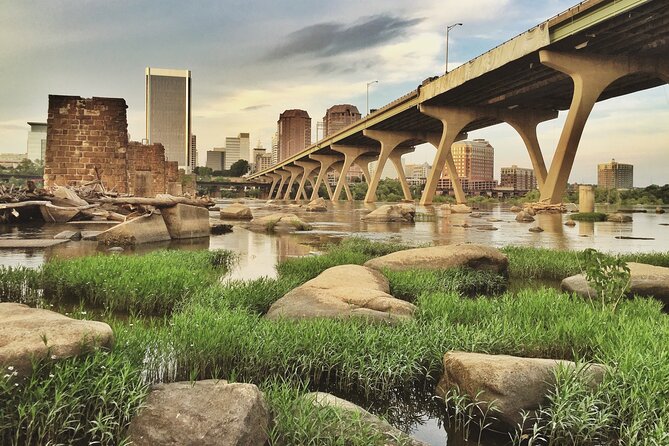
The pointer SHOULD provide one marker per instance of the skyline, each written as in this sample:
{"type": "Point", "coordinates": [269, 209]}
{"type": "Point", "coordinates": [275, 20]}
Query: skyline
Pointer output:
{"type": "Point", "coordinates": [317, 56]}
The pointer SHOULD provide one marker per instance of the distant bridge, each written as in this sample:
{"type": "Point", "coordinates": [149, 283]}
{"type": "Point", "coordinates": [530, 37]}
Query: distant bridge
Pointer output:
{"type": "Point", "coordinates": [596, 50]}
{"type": "Point", "coordinates": [7, 176]}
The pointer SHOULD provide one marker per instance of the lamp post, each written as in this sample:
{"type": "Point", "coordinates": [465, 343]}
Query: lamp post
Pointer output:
{"type": "Point", "coordinates": [448, 29]}
{"type": "Point", "coordinates": [368, 84]}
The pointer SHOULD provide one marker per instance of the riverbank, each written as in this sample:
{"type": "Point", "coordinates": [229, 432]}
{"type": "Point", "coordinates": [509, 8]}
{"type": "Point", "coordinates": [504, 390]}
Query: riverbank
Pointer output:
{"type": "Point", "coordinates": [209, 329]}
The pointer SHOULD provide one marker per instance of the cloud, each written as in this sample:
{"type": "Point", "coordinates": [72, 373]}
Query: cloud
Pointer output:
{"type": "Point", "coordinates": [330, 39]}
{"type": "Point", "coordinates": [255, 107]}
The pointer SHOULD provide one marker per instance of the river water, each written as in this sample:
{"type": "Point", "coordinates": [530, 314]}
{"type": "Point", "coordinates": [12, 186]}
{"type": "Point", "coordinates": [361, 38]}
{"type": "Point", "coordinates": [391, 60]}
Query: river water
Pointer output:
{"type": "Point", "coordinates": [259, 252]}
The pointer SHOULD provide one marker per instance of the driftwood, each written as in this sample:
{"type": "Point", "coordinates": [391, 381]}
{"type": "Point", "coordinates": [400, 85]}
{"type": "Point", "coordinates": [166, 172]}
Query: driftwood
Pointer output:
{"type": "Point", "coordinates": [158, 202]}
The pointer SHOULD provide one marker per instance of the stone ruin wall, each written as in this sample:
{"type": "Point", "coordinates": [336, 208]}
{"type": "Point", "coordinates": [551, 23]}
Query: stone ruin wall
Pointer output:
{"type": "Point", "coordinates": [88, 134]}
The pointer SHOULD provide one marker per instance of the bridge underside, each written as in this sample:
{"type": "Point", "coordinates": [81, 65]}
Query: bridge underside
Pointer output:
{"type": "Point", "coordinates": [599, 50]}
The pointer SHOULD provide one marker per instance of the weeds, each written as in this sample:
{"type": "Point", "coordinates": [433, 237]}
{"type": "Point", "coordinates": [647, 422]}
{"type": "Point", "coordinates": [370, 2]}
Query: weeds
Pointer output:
{"type": "Point", "coordinates": [21, 284]}
{"type": "Point", "coordinates": [609, 276]}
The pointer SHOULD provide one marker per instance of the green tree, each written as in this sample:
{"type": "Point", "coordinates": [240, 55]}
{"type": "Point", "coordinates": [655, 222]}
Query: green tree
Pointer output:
{"type": "Point", "coordinates": [239, 168]}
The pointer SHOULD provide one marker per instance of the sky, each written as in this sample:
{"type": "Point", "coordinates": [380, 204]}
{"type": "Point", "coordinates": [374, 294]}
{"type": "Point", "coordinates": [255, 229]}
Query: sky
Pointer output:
{"type": "Point", "coordinates": [252, 59]}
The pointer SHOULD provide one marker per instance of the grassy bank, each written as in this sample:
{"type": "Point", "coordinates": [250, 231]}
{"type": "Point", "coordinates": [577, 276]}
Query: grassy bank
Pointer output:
{"type": "Point", "coordinates": [214, 330]}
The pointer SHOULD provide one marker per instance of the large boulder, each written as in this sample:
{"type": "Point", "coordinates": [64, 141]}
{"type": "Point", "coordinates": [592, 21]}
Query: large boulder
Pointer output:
{"type": "Point", "coordinates": [351, 412]}
{"type": "Point", "coordinates": [186, 221]}
{"type": "Point", "coordinates": [515, 209]}
{"type": "Point", "coordinates": [403, 213]}
{"type": "Point", "coordinates": [508, 384]}
{"type": "Point", "coordinates": [524, 217]}
{"type": "Point", "coordinates": [645, 280]}
{"type": "Point", "coordinates": [619, 218]}
{"type": "Point", "coordinates": [30, 333]}
{"type": "Point", "coordinates": [279, 222]}
{"type": "Point", "coordinates": [343, 291]}
{"type": "Point", "coordinates": [317, 205]}
{"type": "Point", "coordinates": [443, 257]}
{"type": "Point", "coordinates": [144, 229]}
{"type": "Point", "coordinates": [236, 211]}
{"type": "Point", "coordinates": [202, 413]}
{"type": "Point", "coordinates": [456, 208]}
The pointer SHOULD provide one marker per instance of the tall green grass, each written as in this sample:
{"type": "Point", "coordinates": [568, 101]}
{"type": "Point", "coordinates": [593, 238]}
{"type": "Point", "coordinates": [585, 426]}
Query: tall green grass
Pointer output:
{"type": "Point", "coordinates": [149, 284]}
{"type": "Point", "coordinates": [20, 284]}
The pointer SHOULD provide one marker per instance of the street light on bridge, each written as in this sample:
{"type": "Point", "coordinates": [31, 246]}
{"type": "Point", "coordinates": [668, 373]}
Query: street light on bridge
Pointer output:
{"type": "Point", "coordinates": [368, 84]}
{"type": "Point", "coordinates": [448, 29]}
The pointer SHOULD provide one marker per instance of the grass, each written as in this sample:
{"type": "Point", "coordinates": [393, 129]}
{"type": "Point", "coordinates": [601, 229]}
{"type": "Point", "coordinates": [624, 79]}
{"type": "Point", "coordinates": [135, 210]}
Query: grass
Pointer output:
{"type": "Point", "coordinates": [588, 216]}
{"type": "Point", "coordinates": [215, 330]}
{"type": "Point", "coordinates": [21, 284]}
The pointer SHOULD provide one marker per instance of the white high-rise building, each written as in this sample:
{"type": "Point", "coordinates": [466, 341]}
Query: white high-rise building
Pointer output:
{"type": "Point", "coordinates": [168, 113]}
{"type": "Point", "coordinates": [36, 141]}
{"type": "Point", "coordinates": [237, 148]}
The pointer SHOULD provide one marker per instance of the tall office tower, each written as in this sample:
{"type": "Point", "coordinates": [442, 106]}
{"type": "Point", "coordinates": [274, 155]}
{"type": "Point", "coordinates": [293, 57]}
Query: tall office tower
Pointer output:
{"type": "Point", "coordinates": [216, 158]}
{"type": "Point", "coordinates": [193, 152]}
{"type": "Point", "coordinates": [237, 148]}
{"type": "Point", "coordinates": [615, 175]}
{"type": "Point", "coordinates": [168, 112]}
{"type": "Point", "coordinates": [339, 116]}
{"type": "Point", "coordinates": [275, 148]}
{"type": "Point", "coordinates": [36, 141]}
{"type": "Point", "coordinates": [294, 127]}
{"type": "Point", "coordinates": [474, 160]}
{"type": "Point", "coordinates": [519, 178]}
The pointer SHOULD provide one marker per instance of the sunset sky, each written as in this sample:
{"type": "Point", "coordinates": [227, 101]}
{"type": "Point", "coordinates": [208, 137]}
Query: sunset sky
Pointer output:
{"type": "Point", "coordinates": [250, 60]}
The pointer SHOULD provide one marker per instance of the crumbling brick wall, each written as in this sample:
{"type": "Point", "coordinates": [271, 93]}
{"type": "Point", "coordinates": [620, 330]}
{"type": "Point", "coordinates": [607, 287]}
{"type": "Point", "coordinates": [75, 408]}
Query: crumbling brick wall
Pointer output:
{"type": "Point", "coordinates": [85, 135]}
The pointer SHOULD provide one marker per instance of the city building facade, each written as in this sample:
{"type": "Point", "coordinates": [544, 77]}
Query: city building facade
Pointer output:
{"type": "Point", "coordinates": [615, 175]}
{"type": "Point", "coordinates": [518, 178]}
{"type": "Point", "coordinates": [474, 163]}
{"type": "Point", "coordinates": [193, 151]}
{"type": "Point", "coordinates": [294, 133]}
{"type": "Point", "coordinates": [216, 159]}
{"type": "Point", "coordinates": [237, 148]}
{"type": "Point", "coordinates": [36, 146]}
{"type": "Point", "coordinates": [339, 116]}
{"type": "Point", "coordinates": [168, 113]}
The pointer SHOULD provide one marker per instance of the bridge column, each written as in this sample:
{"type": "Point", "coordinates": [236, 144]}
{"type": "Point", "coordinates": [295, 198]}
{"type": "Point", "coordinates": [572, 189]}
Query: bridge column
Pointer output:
{"type": "Point", "coordinates": [350, 155]}
{"type": "Point", "coordinates": [396, 159]}
{"type": "Point", "coordinates": [363, 163]}
{"type": "Point", "coordinates": [454, 120]}
{"type": "Point", "coordinates": [284, 176]}
{"type": "Point", "coordinates": [338, 168]}
{"type": "Point", "coordinates": [591, 75]}
{"type": "Point", "coordinates": [525, 122]}
{"type": "Point", "coordinates": [294, 173]}
{"type": "Point", "coordinates": [389, 141]}
{"type": "Point", "coordinates": [275, 180]}
{"type": "Point", "coordinates": [434, 139]}
{"type": "Point", "coordinates": [308, 167]}
{"type": "Point", "coordinates": [326, 161]}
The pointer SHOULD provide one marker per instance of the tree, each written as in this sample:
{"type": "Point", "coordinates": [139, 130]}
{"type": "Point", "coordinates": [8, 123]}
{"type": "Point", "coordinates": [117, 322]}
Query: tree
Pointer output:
{"type": "Point", "coordinates": [203, 171]}
{"type": "Point", "coordinates": [239, 168]}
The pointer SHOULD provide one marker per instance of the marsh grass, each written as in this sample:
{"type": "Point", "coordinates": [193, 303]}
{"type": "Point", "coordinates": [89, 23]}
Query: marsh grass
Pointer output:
{"type": "Point", "coordinates": [467, 282]}
{"type": "Point", "coordinates": [21, 284]}
{"type": "Point", "coordinates": [588, 216]}
{"type": "Point", "coordinates": [149, 284]}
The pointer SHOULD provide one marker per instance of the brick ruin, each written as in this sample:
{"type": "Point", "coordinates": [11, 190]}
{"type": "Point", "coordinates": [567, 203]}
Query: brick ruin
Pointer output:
{"type": "Point", "coordinates": [89, 137]}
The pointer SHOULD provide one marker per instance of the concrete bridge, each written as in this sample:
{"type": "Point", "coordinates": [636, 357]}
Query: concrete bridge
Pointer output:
{"type": "Point", "coordinates": [596, 50]}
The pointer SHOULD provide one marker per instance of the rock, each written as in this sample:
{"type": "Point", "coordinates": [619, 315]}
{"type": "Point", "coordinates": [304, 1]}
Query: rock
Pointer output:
{"type": "Point", "coordinates": [515, 209]}
{"type": "Point", "coordinates": [524, 217]}
{"type": "Point", "coordinates": [619, 218]}
{"type": "Point", "coordinates": [203, 413]}
{"type": "Point", "coordinates": [478, 257]}
{"type": "Point", "coordinates": [67, 197]}
{"type": "Point", "coordinates": [115, 249]}
{"type": "Point", "coordinates": [278, 222]}
{"type": "Point", "coordinates": [456, 208]}
{"type": "Point", "coordinates": [493, 219]}
{"type": "Point", "coordinates": [27, 333]}
{"type": "Point", "coordinates": [659, 210]}
{"type": "Point", "coordinates": [68, 235]}
{"type": "Point", "coordinates": [236, 211]}
{"type": "Point", "coordinates": [486, 228]}
{"type": "Point", "coordinates": [343, 291]}
{"type": "Point", "coordinates": [220, 228]}
{"type": "Point", "coordinates": [317, 205]}
{"type": "Point", "coordinates": [403, 213]}
{"type": "Point", "coordinates": [90, 235]}
{"type": "Point", "coordinates": [186, 221]}
{"type": "Point", "coordinates": [143, 229]}
{"type": "Point", "coordinates": [645, 280]}
{"type": "Point", "coordinates": [529, 210]}
{"type": "Point", "coordinates": [514, 384]}
{"type": "Point", "coordinates": [570, 222]}
{"type": "Point", "coordinates": [351, 412]}
{"type": "Point", "coordinates": [571, 207]}
{"type": "Point", "coordinates": [536, 229]}
{"type": "Point", "coordinates": [476, 215]}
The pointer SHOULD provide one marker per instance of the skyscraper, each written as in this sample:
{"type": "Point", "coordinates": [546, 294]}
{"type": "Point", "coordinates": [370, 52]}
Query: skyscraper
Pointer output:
{"type": "Point", "coordinates": [36, 141]}
{"type": "Point", "coordinates": [474, 160]}
{"type": "Point", "coordinates": [237, 148]}
{"type": "Point", "coordinates": [339, 116]}
{"type": "Point", "coordinates": [519, 178]}
{"type": "Point", "coordinates": [294, 128]}
{"type": "Point", "coordinates": [193, 152]}
{"type": "Point", "coordinates": [615, 175]}
{"type": "Point", "coordinates": [168, 113]}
